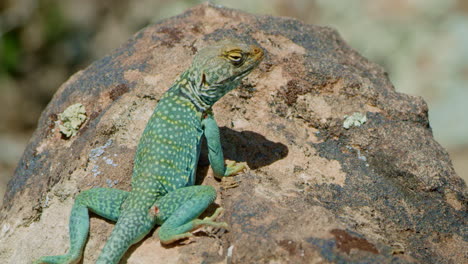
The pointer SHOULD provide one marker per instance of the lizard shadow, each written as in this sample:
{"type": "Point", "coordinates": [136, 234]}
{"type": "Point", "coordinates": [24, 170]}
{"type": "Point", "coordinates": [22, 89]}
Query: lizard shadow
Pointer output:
{"type": "Point", "coordinates": [243, 146]}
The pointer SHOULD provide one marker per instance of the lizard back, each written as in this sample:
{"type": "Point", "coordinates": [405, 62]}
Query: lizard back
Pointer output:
{"type": "Point", "coordinates": [167, 155]}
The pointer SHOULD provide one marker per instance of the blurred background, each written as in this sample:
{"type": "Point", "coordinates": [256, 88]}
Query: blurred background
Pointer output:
{"type": "Point", "coordinates": [423, 44]}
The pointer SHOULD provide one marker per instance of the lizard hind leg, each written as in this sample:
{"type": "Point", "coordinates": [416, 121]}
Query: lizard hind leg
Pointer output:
{"type": "Point", "coordinates": [178, 211]}
{"type": "Point", "coordinates": [105, 202]}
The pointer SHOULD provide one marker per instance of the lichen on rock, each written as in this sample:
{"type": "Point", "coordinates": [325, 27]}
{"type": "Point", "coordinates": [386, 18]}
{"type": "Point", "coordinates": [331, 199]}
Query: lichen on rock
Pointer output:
{"type": "Point", "coordinates": [356, 119]}
{"type": "Point", "coordinates": [71, 119]}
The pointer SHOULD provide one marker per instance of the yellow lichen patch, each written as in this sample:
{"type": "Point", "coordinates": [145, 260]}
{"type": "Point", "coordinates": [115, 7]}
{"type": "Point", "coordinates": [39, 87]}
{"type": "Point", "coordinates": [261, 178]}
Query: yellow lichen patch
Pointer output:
{"type": "Point", "coordinates": [71, 119]}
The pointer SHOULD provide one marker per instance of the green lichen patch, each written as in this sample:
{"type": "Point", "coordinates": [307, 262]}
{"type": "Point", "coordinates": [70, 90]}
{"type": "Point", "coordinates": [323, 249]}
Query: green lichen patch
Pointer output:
{"type": "Point", "coordinates": [71, 119]}
{"type": "Point", "coordinates": [356, 119]}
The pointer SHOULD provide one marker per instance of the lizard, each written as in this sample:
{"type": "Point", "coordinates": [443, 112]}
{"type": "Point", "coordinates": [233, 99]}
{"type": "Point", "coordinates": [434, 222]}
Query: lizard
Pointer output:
{"type": "Point", "coordinates": [163, 190]}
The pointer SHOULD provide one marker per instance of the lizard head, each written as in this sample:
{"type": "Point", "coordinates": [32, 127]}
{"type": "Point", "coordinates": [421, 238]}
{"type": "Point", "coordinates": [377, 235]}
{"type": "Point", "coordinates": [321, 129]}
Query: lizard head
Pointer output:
{"type": "Point", "coordinates": [218, 69]}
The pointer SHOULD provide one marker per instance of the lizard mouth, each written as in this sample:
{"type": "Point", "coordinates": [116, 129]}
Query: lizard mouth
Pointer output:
{"type": "Point", "coordinates": [241, 75]}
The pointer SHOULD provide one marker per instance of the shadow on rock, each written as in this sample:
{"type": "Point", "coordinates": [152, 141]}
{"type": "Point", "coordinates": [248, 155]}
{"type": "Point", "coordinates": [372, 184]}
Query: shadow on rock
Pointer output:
{"type": "Point", "coordinates": [248, 146]}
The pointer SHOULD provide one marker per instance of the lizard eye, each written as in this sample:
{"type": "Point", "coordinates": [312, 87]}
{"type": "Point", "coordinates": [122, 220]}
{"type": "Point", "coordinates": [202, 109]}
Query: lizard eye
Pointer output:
{"type": "Point", "coordinates": [236, 58]}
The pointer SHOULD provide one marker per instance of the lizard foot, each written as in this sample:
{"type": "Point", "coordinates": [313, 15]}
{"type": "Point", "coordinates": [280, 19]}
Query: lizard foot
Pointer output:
{"type": "Point", "coordinates": [210, 220]}
{"type": "Point", "coordinates": [207, 221]}
{"type": "Point", "coordinates": [177, 237]}
{"type": "Point", "coordinates": [187, 240]}
{"type": "Point", "coordinates": [233, 167]}
{"type": "Point", "coordinates": [229, 182]}
{"type": "Point", "coordinates": [215, 215]}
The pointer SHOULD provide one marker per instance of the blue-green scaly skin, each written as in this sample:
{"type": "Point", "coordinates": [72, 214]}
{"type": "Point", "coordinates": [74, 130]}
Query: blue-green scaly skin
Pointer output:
{"type": "Point", "coordinates": [163, 190]}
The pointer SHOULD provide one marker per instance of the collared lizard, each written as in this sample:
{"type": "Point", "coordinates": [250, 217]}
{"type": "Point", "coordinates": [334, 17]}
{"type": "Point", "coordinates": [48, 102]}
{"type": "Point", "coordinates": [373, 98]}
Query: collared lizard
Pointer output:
{"type": "Point", "coordinates": [163, 191]}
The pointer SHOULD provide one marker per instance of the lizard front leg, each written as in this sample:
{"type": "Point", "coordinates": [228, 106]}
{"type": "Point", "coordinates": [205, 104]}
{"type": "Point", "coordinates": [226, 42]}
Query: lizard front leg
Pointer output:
{"type": "Point", "coordinates": [215, 150]}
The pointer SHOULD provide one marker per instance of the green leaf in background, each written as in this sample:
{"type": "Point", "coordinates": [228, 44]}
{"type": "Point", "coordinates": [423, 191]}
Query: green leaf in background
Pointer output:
{"type": "Point", "coordinates": [9, 53]}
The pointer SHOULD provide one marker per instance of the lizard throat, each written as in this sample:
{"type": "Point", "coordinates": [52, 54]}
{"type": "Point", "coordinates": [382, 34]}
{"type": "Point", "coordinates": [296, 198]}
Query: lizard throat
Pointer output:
{"type": "Point", "coordinates": [188, 92]}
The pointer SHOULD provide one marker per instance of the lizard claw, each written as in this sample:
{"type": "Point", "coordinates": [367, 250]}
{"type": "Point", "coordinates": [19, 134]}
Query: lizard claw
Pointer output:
{"type": "Point", "coordinates": [233, 167]}
{"type": "Point", "coordinates": [215, 215]}
{"type": "Point", "coordinates": [187, 240]}
{"type": "Point", "coordinates": [210, 220]}
{"type": "Point", "coordinates": [229, 182]}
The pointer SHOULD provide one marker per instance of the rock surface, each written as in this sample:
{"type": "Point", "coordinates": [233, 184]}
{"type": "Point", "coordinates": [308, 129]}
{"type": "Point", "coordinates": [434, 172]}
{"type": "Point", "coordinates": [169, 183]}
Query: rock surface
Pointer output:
{"type": "Point", "coordinates": [381, 191]}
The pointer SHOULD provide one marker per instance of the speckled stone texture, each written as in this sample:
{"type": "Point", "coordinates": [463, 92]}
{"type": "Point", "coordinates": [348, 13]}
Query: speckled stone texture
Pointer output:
{"type": "Point", "coordinates": [381, 192]}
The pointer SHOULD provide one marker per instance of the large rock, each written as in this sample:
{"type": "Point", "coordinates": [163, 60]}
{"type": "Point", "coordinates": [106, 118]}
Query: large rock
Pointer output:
{"type": "Point", "coordinates": [380, 191]}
